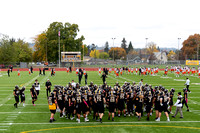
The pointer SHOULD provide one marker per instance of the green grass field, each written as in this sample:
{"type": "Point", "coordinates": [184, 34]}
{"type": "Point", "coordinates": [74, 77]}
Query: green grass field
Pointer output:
{"type": "Point", "coordinates": [36, 118]}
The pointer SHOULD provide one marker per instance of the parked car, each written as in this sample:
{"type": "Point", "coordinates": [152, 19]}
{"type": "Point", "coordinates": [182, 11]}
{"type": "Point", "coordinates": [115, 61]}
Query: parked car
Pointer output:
{"type": "Point", "coordinates": [38, 63]}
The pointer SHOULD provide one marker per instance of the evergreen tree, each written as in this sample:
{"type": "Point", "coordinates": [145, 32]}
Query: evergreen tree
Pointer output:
{"type": "Point", "coordinates": [123, 45]}
{"type": "Point", "coordinates": [106, 49]}
{"type": "Point", "coordinates": [130, 47]}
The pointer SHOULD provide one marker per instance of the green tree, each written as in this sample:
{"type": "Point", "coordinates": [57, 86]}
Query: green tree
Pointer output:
{"type": "Point", "coordinates": [106, 49]}
{"type": "Point", "coordinates": [123, 45]}
{"type": "Point", "coordinates": [12, 51]}
{"type": "Point", "coordinates": [23, 53]}
{"type": "Point", "coordinates": [94, 53]}
{"type": "Point", "coordinates": [103, 55]}
{"type": "Point", "coordinates": [130, 47]}
{"type": "Point", "coordinates": [6, 50]}
{"type": "Point", "coordinates": [68, 39]}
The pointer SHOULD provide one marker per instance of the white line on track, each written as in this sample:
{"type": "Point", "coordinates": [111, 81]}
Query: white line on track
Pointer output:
{"type": "Point", "coordinates": [62, 123]}
{"type": "Point", "coordinates": [3, 129]}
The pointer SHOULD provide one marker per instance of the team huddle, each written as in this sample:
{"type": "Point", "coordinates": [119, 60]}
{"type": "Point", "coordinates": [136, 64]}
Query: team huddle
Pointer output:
{"type": "Point", "coordinates": [127, 100]}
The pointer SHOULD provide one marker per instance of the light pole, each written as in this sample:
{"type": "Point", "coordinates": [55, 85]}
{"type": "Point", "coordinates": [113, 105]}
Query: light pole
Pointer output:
{"type": "Point", "coordinates": [59, 46]}
{"type": "Point", "coordinates": [146, 41]}
{"type": "Point", "coordinates": [46, 49]}
{"type": "Point", "coordinates": [178, 47]}
{"type": "Point", "coordinates": [146, 46]}
{"type": "Point", "coordinates": [113, 48]}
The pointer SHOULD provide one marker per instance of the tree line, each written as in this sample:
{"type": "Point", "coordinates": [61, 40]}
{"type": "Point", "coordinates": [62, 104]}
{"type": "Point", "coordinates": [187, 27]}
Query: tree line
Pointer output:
{"type": "Point", "coordinates": [46, 46]}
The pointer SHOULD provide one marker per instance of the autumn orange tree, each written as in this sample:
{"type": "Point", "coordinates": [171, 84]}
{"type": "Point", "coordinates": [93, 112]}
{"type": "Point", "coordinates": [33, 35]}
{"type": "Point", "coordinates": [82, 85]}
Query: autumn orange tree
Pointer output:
{"type": "Point", "coordinates": [189, 49]}
{"type": "Point", "coordinates": [119, 53]}
{"type": "Point", "coordinates": [171, 55]}
{"type": "Point", "coordinates": [40, 47]}
{"type": "Point", "coordinates": [150, 49]}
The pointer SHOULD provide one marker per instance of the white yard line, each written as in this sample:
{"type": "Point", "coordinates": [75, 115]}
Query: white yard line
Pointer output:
{"type": "Point", "coordinates": [11, 118]}
{"type": "Point", "coordinates": [116, 79]}
{"type": "Point", "coordinates": [3, 129]}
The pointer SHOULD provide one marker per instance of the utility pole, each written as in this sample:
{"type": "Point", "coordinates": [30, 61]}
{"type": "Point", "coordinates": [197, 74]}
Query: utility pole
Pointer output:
{"type": "Point", "coordinates": [59, 46]}
{"type": "Point", "coordinates": [197, 49]}
{"type": "Point", "coordinates": [46, 49]}
{"type": "Point", "coordinates": [113, 49]}
{"type": "Point", "coordinates": [178, 47]}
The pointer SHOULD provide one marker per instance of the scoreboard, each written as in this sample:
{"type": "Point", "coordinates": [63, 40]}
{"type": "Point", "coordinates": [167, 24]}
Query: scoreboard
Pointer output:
{"type": "Point", "coordinates": [70, 56]}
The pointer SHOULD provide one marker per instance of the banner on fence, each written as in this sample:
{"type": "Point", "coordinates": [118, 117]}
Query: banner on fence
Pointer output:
{"type": "Point", "coordinates": [192, 62]}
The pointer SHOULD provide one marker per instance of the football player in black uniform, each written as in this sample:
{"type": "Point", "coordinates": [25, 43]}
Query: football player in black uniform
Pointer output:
{"type": "Point", "coordinates": [139, 102]}
{"type": "Point", "coordinates": [52, 106]}
{"type": "Point", "coordinates": [185, 98]}
{"type": "Point", "coordinates": [130, 96]}
{"type": "Point", "coordinates": [33, 94]}
{"type": "Point", "coordinates": [67, 99]}
{"type": "Point", "coordinates": [48, 87]}
{"type": "Point", "coordinates": [112, 100]}
{"type": "Point", "coordinates": [60, 100]}
{"type": "Point", "coordinates": [16, 93]}
{"type": "Point", "coordinates": [79, 105]}
{"type": "Point", "coordinates": [100, 100]}
{"type": "Point", "coordinates": [72, 109]}
{"type": "Point", "coordinates": [163, 106]}
{"type": "Point", "coordinates": [22, 95]}
{"type": "Point", "coordinates": [86, 103]}
{"type": "Point", "coordinates": [121, 102]}
{"type": "Point", "coordinates": [148, 101]}
{"type": "Point", "coordinates": [157, 102]}
{"type": "Point", "coordinates": [171, 103]}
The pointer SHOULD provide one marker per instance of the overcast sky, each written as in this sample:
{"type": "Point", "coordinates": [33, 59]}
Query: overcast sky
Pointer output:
{"type": "Point", "coordinates": [161, 21]}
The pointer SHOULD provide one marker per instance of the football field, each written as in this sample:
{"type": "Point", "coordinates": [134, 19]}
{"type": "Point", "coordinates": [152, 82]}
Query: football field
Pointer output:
{"type": "Point", "coordinates": [32, 119]}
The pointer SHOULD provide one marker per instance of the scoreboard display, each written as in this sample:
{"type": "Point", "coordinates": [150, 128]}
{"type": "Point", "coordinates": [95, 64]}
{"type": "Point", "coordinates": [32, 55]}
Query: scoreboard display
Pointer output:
{"type": "Point", "coordinates": [70, 56]}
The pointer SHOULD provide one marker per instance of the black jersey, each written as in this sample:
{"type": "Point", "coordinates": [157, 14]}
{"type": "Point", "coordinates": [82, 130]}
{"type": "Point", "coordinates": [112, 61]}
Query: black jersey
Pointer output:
{"type": "Point", "coordinates": [67, 95]}
{"type": "Point", "coordinates": [166, 98]}
{"type": "Point", "coordinates": [33, 91]}
{"type": "Point", "coordinates": [51, 100]}
{"type": "Point", "coordinates": [171, 95]}
{"type": "Point", "coordinates": [85, 95]}
{"type": "Point", "coordinates": [112, 97]}
{"type": "Point", "coordinates": [90, 93]}
{"type": "Point", "coordinates": [161, 97]}
{"type": "Point", "coordinates": [121, 95]}
{"type": "Point", "coordinates": [148, 100]}
{"type": "Point", "coordinates": [60, 97]}
{"type": "Point", "coordinates": [36, 84]}
{"type": "Point", "coordinates": [185, 95]}
{"type": "Point", "coordinates": [131, 95]}
{"type": "Point", "coordinates": [22, 92]}
{"type": "Point", "coordinates": [79, 99]}
{"type": "Point", "coordinates": [17, 92]}
{"type": "Point", "coordinates": [99, 96]}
